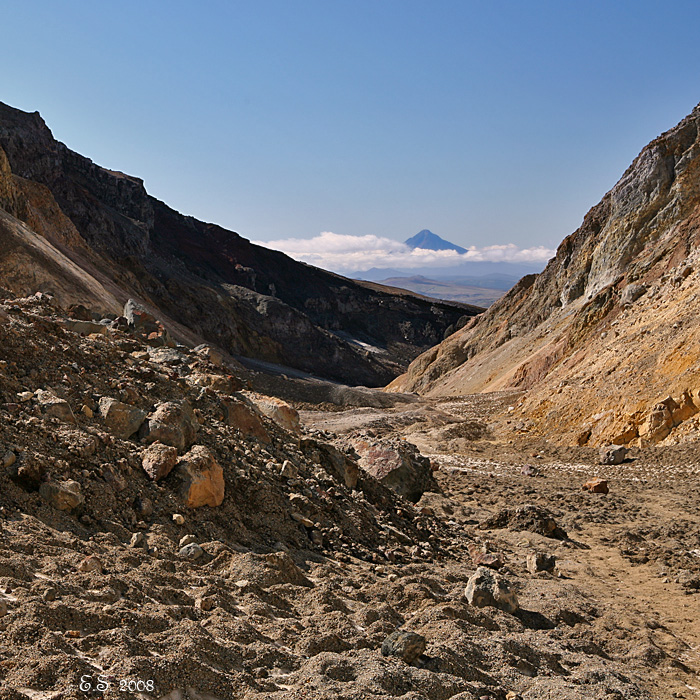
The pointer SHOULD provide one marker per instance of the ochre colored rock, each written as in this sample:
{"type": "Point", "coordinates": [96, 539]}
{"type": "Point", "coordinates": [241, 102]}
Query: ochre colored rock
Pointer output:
{"type": "Point", "coordinates": [223, 383]}
{"type": "Point", "coordinates": [202, 478]}
{"type": "Point", "coordinates": [596, 486]}
{"type": "Point", "coordinates": [686, 409]}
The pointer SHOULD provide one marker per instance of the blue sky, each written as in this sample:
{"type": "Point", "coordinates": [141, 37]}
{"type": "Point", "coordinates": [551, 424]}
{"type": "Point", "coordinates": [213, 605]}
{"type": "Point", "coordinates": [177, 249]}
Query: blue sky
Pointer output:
{"type": "Point", "coordinates": [490, 123]}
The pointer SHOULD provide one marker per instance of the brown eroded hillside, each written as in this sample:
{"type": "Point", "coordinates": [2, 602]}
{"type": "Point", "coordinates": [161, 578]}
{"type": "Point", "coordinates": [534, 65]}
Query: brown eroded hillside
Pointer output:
{"type": "Point", "coordinates": [605, 340]}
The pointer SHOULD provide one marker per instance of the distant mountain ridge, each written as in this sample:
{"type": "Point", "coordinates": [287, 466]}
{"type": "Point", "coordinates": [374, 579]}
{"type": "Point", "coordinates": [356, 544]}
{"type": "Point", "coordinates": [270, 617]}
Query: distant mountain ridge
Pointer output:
{"type": "Point", "coordinates": [427, 240]}
{"type": "Point", "coordinates": [465, 292]}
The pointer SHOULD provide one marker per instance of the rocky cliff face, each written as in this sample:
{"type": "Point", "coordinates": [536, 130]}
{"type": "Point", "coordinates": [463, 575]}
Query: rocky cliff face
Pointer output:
{"type": "Point", "coordinates": [203, 280]}
{"type": "Point", "coordinates": [605, 340]}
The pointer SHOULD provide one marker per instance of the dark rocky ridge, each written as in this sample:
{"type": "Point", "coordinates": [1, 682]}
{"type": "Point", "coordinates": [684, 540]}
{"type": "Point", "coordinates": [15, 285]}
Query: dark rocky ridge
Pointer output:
{"type": "Point", "coordinates": [249, 300]}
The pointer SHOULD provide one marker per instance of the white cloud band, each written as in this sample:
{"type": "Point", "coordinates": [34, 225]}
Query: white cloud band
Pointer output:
{"type": "Point", "coordinates": [343, 253]}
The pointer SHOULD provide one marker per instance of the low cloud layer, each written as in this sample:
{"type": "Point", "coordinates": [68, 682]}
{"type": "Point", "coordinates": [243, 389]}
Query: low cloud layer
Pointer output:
{"type": "Point", "coordinates": [342, 253]}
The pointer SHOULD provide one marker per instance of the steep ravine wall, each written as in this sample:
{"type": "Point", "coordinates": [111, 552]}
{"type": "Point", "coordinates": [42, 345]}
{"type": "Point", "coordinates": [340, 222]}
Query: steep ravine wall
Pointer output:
{"type": "Point", "coordinates": [212, 282]}
{"type": "Point", "coordinates": [607, 332]}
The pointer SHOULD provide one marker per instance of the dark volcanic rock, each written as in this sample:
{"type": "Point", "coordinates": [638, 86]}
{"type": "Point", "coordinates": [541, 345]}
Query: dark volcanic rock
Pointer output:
{"type": "Point", "coordinates": [406, 645]}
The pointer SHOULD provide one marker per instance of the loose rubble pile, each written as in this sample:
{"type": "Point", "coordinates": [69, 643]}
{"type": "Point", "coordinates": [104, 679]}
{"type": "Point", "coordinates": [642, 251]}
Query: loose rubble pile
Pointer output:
{"type": "Point", "coordinates": [165, 531]}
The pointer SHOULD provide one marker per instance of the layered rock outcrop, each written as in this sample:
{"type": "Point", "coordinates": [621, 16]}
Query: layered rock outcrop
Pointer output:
{"type": "Point", "coordinates": [608, 332]}
{"type": "Point", "coordinates": [92, 235]}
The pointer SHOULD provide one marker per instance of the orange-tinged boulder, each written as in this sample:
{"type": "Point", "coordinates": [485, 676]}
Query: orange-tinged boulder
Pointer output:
{"type": "Point", "coordinates": [202, 478]}
{"type": "Point", "coordinates": [596, 486]}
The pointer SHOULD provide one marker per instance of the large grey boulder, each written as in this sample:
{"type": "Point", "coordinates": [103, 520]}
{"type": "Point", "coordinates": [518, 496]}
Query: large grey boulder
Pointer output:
{"type": "Point", "coordinates": [398, 465]}
{"type": "Point", "coordinates": [613, 454]}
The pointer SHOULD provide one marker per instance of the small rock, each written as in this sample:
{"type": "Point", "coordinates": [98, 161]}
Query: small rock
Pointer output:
{"type": "Point", "coordinates": [50, 594]}
{"type": "Point", "coordinates": [83, 327]}
{"type": "Point", "coordinates": [178, 519]}
{"type": "Point", "coordinates": [302, 519]}
{"type": "Point", "coordinates": [596, 486]}
{"type": "Point", "coordinates": [288, 470]}
{"type": "Point", "coordinates": [145, 325]}
{"type": "Point", "coordinates": [398, 465]}
{"type": "Point", "coordinates": [481, 557]}
{"type": "Point", "coordinates": [487, 588]}
{"type": "Point", "coordinates": [137, 540]}
{"type": "Point", "coordinates": [143, 506]}
{"type": "Point", "coordinates": [529, 470]}
{"type": "Point", "coordinates": [121, 419]}
{"type": "Point", "coordinates": [631, 293]}
{"type": "Point", "coordinates": [3, 608]}
{"type": "Point", "coordinates": [540, 561]}
{"type": "Point", "coordinates": [158, 460]}
{"type": "Point", "coordinates": [613, 454]}
{"type": "Point", "coordinates": [190, 551]}
{"type": "Point", "coordinates": [206, 603]}
{"type": "Point", "coordinates": [86, 411]}
{"type": "Point", "coordinates": [66, 495]}
{"type": "Point", "coordinates": [216, 357]}
{"type": "Point", "coordinates": [279, 411]}
{"type": "Point", "coordinates": [187, 539]}
{"type": "Point", "coordinates": [8, 459]}
{"type": "Point", "coordinates": [55, 407]}
{"type": "Point", "coordinates": [25, 396]}
{"type": "Point", "coordinates": [240, 416]}
{"type": "Point", "coordinates": [406, 645]}
{"type": "Point", "coordinates": [333, 461]}
{"type": "Point", "coordinates": [90, 563]}
{"type": "Point", "coordinates": [528, 517]}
